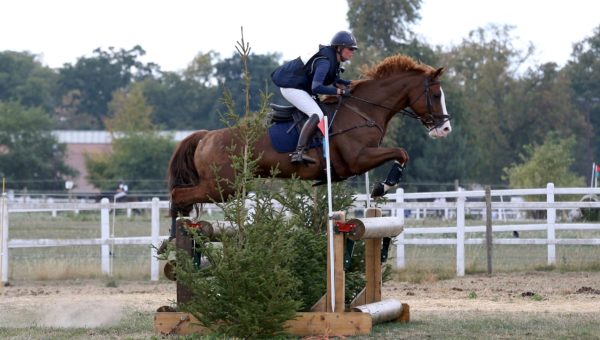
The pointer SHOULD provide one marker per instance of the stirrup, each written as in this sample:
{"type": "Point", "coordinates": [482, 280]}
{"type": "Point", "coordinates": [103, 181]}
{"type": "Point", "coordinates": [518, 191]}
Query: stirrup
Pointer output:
{"type": "Point", "coordinates": [298, 156]}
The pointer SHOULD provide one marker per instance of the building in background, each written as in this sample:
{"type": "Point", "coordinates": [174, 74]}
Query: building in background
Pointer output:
{"type": "Point", "coordinates": [80, 143]}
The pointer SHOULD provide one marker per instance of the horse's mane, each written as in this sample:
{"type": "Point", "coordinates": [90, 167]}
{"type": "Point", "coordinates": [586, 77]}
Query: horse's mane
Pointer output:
{"type": "Point", "coordinates": [392, 65]}
{"type": "Point", "coordinates": [389, 66]}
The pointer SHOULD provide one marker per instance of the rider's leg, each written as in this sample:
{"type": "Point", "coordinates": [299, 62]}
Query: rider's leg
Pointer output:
{"type": "Point", "coordinates": [305, 103]}
{"type": "Point", "coordinates": [308, 130]}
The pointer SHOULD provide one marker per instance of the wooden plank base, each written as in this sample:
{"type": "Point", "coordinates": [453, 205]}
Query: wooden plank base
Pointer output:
{"type": "Point", "coordinates": [309, 323]}
{"type": "Point", "coordinates": [330, 324]}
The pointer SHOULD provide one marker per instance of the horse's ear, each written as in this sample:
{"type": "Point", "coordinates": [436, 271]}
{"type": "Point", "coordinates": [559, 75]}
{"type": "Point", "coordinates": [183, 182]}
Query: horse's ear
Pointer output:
{"type": "Point", "coordinates": [438, 72]}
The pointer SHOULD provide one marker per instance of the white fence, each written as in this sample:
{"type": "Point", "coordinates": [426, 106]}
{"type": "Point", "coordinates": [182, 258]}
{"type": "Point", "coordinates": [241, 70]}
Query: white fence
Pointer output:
{"type": "Point", "coordinates": [459, 207]}
{"type": "Point", "coordinates": [105, 241]}
{"type": "Point", "coordinates": [451, 204]}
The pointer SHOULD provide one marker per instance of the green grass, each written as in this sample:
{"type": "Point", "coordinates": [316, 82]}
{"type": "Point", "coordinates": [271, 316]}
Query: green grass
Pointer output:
{"type": "Point", "coordinates": [134, 325]}
{"type": "Point", "coordinates": [464, 325]}
{"type": "Point", "coordinates": [478, 325]}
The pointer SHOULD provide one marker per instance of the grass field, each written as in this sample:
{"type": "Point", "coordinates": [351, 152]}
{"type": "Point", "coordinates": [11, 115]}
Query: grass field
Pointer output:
{"type": "Point", "coordinates": [469, 326]}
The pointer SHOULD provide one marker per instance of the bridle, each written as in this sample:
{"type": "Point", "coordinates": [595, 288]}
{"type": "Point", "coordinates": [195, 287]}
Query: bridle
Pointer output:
{"type": "Point", "coordinates": [431, 120]}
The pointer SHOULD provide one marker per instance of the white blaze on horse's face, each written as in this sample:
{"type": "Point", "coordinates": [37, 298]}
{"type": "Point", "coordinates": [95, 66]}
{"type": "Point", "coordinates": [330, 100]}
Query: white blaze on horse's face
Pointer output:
{"type": "Point", "coordinates": [444, 129]}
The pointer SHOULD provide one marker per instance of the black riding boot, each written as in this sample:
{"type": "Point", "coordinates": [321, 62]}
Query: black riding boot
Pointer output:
{"type": "Point", "coordinates": [307, 131]}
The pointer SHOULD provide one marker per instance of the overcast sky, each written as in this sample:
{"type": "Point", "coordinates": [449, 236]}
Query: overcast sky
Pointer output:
{"type": "Point", "coordinates": [173, 32]}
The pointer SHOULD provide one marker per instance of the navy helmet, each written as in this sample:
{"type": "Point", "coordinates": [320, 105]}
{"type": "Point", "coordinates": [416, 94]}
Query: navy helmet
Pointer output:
{"type": "Point", "coordinates": [345, 39]}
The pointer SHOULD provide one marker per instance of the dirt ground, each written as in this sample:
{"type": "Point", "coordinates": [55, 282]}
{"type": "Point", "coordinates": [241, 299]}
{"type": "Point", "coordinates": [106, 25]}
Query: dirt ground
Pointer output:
{"type": "Point", "coordinates": [93, 304]}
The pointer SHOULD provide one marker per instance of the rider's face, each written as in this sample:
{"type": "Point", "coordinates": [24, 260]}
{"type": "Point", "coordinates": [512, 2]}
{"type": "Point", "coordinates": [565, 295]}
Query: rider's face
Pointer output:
{"type": "Point", "coordinates": [347, 53]}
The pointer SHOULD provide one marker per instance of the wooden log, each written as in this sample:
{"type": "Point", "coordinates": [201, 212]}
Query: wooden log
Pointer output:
{"type": "Point", "coordinates": [221, 227]}
{"type": "Point", "coordinates": [376, 227]}
{"type": "Point", "coordinates": [385, 310]}
{"type": "Point", "coordinates": [168, 323]}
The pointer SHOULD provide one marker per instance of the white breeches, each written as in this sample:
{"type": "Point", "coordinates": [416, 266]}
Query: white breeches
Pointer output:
{"type": "Point", "coordinates": [302, 100]}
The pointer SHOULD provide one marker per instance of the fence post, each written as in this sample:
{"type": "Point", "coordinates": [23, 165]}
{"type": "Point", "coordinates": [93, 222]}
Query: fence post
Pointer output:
{"type": "Point", "coordinates": [105, 235]}
{"type": "Point", "coordinates": [400, 259]}
{"type": "Point", "coordinates": [50, 202]}
{"type": "Point", "coordinates": [4, 237]}
{"type": "Point", "coordinates": [488, 227]}
{"type": "Point", "coordinates": [155, 225]}
{"type": "Point", "coordinates": [551, 217]}
{"type": "Point", "coordinates": [460, 234]}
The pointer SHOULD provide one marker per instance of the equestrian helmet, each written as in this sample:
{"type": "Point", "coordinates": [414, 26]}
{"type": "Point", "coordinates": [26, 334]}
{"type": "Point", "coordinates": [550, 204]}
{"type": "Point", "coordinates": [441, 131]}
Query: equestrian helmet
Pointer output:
{"type": "Point", "coordinates": [345, 39]}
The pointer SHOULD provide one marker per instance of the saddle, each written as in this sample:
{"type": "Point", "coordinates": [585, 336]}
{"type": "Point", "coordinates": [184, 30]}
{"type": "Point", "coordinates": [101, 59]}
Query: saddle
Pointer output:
{"type": "Point", "coordinates": [286, 122]}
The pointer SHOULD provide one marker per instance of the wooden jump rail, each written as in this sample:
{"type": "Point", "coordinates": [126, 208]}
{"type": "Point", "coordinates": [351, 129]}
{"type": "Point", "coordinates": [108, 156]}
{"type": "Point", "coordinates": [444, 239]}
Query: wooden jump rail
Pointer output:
{"type": "Point", "coordinates": [357, 318]}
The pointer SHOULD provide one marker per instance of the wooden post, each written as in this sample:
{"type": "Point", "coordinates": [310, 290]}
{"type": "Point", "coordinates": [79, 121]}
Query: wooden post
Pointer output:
{"type": "Point", "coordinates": [373, 263]}
{"type": "Point", "coordinates": [183, 241]}
{"type": "Point", "coordinates": [339, 277]}
{"type": "Point", "coordinates": [488, 227]}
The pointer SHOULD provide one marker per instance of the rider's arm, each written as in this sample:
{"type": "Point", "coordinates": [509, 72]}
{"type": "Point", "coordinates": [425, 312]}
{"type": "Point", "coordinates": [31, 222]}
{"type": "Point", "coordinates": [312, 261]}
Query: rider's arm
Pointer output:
{"type": "Point", "coordinates": [343, 82]}
{"type": "Point", "coordinates": [321, 69]}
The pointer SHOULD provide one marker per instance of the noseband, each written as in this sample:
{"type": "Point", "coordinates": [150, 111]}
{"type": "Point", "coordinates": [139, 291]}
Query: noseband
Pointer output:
{"type": "Point", "coordinates": [430, 120]}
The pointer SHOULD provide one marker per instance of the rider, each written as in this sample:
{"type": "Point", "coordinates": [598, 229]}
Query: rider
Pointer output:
{"type": "Point", "coordinates": [299, 82]}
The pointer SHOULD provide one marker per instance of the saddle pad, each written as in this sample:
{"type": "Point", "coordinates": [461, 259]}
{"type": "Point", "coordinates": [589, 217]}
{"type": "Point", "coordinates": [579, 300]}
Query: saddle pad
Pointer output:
{"type": "Point", "coordinates": [284, 141]}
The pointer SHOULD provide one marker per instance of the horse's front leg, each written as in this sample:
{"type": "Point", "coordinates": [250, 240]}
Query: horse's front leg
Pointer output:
{"type": "Point", "coordinates": [369, 158]}
{"type": "Point", "coordinates": [391, 181]}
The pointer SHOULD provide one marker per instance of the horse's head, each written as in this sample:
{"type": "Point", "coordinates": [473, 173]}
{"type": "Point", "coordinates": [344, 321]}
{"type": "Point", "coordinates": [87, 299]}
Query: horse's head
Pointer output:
{"type": "Point", "coordinates": [429, 105]}
{"type": "Point", "coordinates": [420, 87]}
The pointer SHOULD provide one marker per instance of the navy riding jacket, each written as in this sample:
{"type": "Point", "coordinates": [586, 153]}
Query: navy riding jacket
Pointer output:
{"type": "Point", "coordinates": [315, 77]}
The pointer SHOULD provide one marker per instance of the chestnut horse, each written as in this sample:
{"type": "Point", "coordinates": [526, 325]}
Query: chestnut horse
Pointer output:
{"type": "Point", "coordinates": [356, 132]}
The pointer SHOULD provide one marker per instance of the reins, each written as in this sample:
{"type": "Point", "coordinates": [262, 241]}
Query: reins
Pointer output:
{"type": "Point", "coordinates": [427, 121]}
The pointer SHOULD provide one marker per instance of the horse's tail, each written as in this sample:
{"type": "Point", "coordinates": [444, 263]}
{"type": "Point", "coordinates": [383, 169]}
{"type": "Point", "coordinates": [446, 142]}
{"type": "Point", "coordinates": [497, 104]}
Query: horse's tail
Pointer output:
{"type": "Point", "coordinates": [182, 171]}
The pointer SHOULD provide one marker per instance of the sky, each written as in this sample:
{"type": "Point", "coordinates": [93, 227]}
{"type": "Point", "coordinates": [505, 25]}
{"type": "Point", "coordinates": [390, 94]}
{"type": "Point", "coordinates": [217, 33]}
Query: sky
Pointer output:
{"type": "Point", "coordinates": [173, 32]}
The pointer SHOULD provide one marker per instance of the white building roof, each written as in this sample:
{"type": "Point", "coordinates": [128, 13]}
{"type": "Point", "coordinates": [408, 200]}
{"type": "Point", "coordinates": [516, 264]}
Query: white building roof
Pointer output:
{"type": "Point", "coordinates": [103, 137]}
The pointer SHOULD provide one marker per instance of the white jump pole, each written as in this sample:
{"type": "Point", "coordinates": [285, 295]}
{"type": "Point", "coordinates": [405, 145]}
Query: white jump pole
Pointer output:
{"type": "Point", "coordinates": [330, 211]}
{"type": "Point", "coordinates": [367, 189]}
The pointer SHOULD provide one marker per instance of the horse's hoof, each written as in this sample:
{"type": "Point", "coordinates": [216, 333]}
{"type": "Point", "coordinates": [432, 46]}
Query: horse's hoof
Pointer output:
{"type": "Point", "coordinates": [169, 271]}
{"type": "Point", "coordinates": [378, 190]}
{"type": "Point", "coordinates": [319, 183]}
{"type": "Point", "coordinates": [168, 309]}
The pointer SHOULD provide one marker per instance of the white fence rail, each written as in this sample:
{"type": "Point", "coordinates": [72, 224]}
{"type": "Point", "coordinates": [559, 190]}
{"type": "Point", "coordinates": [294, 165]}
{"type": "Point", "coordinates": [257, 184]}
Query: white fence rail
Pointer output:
{"type": "Point", "coordinates": [452, 204]}
{"type": "Point", "coordinates": [400, 201]}
{"type": "Point", "coordinates": [105, 240]}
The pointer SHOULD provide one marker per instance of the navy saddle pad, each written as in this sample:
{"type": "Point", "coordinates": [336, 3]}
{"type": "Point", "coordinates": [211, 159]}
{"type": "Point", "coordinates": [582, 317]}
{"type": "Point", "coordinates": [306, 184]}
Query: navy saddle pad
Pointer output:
{"type": "Point", "coordinates": [284, 137]}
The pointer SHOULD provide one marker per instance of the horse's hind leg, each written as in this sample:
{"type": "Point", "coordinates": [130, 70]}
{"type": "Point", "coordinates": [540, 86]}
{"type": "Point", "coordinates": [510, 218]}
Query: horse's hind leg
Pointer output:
{"type": "Point", "coordinates": [176, 212]}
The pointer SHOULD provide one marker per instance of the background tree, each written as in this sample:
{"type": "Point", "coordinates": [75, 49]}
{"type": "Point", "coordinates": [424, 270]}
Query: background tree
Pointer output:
{"type": "Point", "coordinates": [583, 71]}
{"type": "Point", "coordinates": [230, 76]}
{"type": "Point", "coordinates": [139, 151]}
{"type": "Point", "coordinates": [23, 79]}
{"type": "Point", "coordinates": [485, 66]}
{"type": "Point", "coordinates": [30, 156]}
{"type": "Point", "coordinates": [540, 164]}
{"type": "Point", "coordinates": [92, 80]}
{"type": "Point", "coordinates": [182, 103]}
{"type": "Point", "coordinates": [383, 25]}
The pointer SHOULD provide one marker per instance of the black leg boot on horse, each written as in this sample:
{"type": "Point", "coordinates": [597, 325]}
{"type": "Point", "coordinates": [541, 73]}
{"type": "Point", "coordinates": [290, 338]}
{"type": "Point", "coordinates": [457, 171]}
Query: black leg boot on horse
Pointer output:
{"type": "Point", "coordinates": [392, 180]}
{"type": "Point", "coordinates": [308, 130]}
